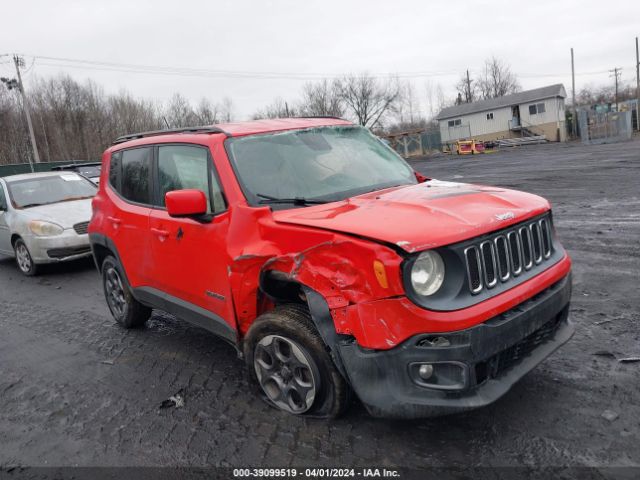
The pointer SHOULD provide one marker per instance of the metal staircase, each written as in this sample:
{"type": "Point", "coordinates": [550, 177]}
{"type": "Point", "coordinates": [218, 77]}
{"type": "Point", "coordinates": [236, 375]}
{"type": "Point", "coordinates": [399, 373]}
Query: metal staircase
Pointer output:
{"type": "Point", "coordinates": [527, 135]}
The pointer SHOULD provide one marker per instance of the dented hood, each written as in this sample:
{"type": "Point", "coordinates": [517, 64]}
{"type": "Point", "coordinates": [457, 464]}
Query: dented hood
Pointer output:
{"type": "Point", "coordinates": [422, 216]}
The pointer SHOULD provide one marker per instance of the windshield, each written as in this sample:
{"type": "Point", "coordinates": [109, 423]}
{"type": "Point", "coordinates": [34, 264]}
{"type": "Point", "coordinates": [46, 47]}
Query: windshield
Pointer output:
{"type": "Point", "coordinates": [327, 163]}
{"type": "Point", "coordinates": [51, 189]}
{"type": "Point", "coordinates": [89, 171]}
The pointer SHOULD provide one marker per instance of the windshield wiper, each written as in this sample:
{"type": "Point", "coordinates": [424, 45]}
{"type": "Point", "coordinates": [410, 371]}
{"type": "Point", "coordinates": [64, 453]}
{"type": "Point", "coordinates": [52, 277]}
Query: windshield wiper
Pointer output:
{"type": "Point", "coordinates": [294, 201]}
{"type": "Point", "coordinates": [29, 205]}
{"type": "Point", "coordinates": [71, 199]}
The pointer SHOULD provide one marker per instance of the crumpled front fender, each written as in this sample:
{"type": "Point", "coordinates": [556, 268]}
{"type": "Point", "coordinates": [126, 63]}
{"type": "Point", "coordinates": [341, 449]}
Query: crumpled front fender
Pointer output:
{"type": "Point", "coordinates": [341, 270]}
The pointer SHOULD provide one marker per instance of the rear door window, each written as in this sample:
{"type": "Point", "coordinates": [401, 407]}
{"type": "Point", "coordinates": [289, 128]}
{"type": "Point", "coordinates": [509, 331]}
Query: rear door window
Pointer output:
{"type": "Point", "coordinates": [134, 175]}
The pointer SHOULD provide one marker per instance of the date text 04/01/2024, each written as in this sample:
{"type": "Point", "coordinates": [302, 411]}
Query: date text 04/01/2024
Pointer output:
{"type": "Point", "coordinates": [315, 473]}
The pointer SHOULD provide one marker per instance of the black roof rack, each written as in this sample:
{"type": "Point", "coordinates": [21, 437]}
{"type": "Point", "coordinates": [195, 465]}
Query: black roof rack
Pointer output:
{"type": "Point", "coordinates": [74, 164]}
{"type": "Point", "coordinates": [323, 116]}
{"type": "Point", "coordinates": [155, 133]}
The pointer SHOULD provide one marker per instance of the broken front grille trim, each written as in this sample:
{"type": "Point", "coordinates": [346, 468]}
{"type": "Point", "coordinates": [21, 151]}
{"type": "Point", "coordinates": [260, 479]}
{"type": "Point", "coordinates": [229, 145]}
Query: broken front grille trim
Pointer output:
{"type": "Point", "coordinates": [528, 245]}
{"type": "Point", "coordinates": [502, 361]}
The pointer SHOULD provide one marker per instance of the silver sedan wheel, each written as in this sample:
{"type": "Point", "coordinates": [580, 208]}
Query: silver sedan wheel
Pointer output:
{"type": "Point", "coordinates": [285, 373]}
{"type": "Point", "coordinates": [23, 258]}
{"type": "Point", "coordinates": [115, 292]}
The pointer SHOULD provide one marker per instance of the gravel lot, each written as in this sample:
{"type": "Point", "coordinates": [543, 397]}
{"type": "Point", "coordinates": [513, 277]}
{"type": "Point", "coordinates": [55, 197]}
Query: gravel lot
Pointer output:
{"type": "Point", "coordinates": [75, 389]}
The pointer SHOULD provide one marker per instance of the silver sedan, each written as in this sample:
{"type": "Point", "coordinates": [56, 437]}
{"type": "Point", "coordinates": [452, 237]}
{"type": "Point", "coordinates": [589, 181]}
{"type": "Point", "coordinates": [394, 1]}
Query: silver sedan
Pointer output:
{"type": "Point", "coordinates": [44, 218]}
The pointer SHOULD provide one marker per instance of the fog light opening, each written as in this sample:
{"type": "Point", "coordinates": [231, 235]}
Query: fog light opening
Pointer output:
{"type": "Point", "coordinates": [440, 375]}
{"type": "Point", "coordinates": [425, 371]}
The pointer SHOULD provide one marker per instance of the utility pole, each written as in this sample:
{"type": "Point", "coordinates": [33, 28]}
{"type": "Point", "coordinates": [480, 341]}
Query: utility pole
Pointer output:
{"type": "Point", "coordinates": [469, 99]}
{"type": "Point", "coordinates": [637, 87]}
{"type": "Point", "coordinates": [574, 118]}
{"type": "Point", "coordinates": [19, 62]}
{"type": "Point", "coordinates": [616, 73]}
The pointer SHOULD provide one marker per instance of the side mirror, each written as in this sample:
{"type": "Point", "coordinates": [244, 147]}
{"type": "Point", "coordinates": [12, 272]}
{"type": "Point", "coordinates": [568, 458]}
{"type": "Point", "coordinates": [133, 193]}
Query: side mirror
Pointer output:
{"type": "Point", "coordinates": [421, 178]}
{"type": "Point", "coordinates": [186, 203]}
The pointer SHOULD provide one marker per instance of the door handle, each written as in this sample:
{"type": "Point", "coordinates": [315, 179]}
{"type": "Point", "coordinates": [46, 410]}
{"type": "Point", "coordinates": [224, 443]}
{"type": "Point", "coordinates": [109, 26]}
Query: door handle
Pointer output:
{"type": "Point", "coordinates": [116, 221]}
{"type": "Point", "coordinates": [160, 233]}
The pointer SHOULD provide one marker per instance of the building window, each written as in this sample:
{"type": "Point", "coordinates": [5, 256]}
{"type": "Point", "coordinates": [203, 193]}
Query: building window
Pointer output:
{"type": "Point", "coordinates": [490, 116]}
{"type": "Point", "coordinates": [455, 123]}
{"type": "Point", "coordinates": [536, 109]}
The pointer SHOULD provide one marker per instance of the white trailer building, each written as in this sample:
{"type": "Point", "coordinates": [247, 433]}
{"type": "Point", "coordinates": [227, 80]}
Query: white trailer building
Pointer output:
{"type": "Point", "coordinates": [533, 112]}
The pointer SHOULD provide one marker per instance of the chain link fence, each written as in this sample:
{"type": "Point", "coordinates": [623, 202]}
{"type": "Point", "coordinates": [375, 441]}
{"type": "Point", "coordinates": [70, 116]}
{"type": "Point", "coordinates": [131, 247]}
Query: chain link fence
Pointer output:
{"type": "Point", "coordinates": [415, 143]}
{"type": "Point", "coordinates": [604, 127]}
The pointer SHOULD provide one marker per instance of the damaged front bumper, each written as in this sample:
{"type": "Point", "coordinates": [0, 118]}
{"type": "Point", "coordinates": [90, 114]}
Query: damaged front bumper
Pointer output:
{"type": "Point", "coordinates": [477, 365]}
{"type": "Point", "coordinates": [59, 248]}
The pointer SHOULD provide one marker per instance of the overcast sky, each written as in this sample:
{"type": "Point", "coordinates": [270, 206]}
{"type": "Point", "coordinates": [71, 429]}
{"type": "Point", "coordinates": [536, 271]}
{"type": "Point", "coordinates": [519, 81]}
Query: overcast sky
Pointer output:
{"type": "Point", "coordinates": [293, 40]}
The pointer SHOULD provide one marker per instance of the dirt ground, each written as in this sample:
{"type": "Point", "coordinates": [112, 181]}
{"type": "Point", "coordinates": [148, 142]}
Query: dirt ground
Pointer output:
{"type": "Point", "coordinates": [75, 389]}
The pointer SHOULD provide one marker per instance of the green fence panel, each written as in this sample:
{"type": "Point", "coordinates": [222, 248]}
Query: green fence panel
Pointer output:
{"type": "Point", "coordinates": [18, 168]}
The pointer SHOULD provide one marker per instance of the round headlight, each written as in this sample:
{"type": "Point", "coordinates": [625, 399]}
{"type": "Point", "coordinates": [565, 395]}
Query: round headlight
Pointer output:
{"type": "Point", "coordinates": [45, 229]}
{"type": "Point", "coordinates": [427, 273]}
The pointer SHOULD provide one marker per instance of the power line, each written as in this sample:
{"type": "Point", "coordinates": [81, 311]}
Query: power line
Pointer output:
{"type": "Point", "coordinates": [208, 73]}
{"type": "Point", "coordinates": [137, 68]}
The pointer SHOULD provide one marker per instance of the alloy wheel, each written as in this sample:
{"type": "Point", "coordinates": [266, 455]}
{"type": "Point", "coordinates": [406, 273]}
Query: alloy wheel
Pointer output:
{"type": "Point", "coordinates": [23, 258]}
{"type": "Point", "coordinates": [115, 292]}
{"type": "Point", "coordinates": [285, 373]}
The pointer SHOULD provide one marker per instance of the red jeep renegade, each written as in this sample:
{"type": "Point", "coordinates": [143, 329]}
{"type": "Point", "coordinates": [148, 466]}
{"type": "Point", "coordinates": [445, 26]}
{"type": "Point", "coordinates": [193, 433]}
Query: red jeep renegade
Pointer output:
{"type": "Point", "coordinates": [331, 265]}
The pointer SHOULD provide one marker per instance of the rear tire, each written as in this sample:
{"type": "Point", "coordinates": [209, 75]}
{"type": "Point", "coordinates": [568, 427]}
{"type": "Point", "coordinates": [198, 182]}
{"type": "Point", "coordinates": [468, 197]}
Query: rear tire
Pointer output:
{"type": "Point", "coordinates": [24, 261]}
{"type": "Point", "coordinates": [126, 310]}
{"type": "Point", "coordinates": [289, 362]}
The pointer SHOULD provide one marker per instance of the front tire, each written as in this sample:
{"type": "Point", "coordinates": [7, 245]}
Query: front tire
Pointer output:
{"type": "Point", "coordinates": [126, 310]}
{"type": "Point", "coordinates": [23, 259]}
{"type": "Point", "coordinates": [289, 361]}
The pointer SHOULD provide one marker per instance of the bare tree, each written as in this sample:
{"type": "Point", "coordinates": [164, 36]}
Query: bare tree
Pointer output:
{"type": "Point", "coordinates": [77, 121]}
{"type": "Point", "coordinates": [407, 113]}
{"type": "Point", "coordinates": [497, 79]}
{"type": "Point", "coordinates": [179, 112]}
{"type": "Point", "coordinates": [321, 99]}
{"type": "Point", "coordinates": [226, 109]}
{"type": "Point", "coordinates": [278, 109]}
{"type": "Point", "coordinates": [408, 106]}
{"type": "Point", "coordinates": [604, 94]}
{"type": "Point", "coordinates": [369, 99]}
{"type": "Point", "coordinates": [466, 88]}
{"type": "Point", "coordinates": [442, 101]}
{"type": "Point", "coordinates": [205, 113]}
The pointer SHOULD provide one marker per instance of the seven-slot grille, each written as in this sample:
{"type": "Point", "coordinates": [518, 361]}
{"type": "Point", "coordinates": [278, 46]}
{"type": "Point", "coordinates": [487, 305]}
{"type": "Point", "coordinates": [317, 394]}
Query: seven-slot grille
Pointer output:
{"type": "Point", "coordinates": [507, 254]}
{"type": "Point", "coordinates": [81, 228]}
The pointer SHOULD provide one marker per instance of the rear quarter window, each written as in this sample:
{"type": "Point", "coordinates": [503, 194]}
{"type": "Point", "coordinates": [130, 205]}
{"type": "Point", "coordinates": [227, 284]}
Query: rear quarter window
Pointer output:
{"type": "Point", "coordinates": [114, 171]}
{"type": "Point", "coordinates": [3, 198]}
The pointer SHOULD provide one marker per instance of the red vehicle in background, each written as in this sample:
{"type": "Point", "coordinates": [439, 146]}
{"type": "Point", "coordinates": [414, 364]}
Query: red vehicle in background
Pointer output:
{"type": "Point", "coordinates": [332, 266]}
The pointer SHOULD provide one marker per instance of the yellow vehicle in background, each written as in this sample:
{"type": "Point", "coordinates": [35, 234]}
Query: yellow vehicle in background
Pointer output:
{"type": "Point", "coordinates": [469, 147]}
{"type": "Point", "coordinates": [464, 147]}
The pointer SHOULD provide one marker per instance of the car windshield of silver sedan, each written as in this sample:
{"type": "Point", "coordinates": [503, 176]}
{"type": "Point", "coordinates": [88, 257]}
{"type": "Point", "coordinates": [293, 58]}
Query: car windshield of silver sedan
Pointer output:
{"type": "Point", "coordinates": [65, 187]}
{"type": "Point", "coordinates": [316, 165]}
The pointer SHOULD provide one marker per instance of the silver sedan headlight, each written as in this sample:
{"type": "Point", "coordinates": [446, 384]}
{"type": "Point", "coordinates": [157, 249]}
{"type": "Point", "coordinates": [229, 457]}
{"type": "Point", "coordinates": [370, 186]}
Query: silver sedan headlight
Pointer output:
{"type": "Point", "coordinates": [45, 229]}
{"type": "Point", "coordinates": [427, 273]}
